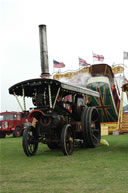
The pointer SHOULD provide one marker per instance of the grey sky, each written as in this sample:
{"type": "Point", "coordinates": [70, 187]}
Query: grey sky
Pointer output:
{"type": "Point", "coordinates": [74, 28]}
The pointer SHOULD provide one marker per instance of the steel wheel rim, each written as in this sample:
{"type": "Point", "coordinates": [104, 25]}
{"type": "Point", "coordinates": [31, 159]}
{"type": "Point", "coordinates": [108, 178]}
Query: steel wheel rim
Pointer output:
{"type": "Point", "coordinates": [68, 141]}
{"type": "Point", "coordinates": [30, 139]}
{"type": "Point", "coordinates": [94, 125]}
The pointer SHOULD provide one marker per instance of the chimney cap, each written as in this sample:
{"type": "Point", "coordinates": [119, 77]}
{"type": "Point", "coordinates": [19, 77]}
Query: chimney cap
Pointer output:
{"type": "Point", "coordinates": [41, 25]}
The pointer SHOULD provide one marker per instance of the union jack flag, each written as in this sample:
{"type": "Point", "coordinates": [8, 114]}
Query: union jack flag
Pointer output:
{"type": "Point", "coordinates": [83, 62]}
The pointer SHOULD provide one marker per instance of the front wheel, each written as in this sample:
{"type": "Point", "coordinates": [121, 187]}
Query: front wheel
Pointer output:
{"type": "Point", "coordinates": [17, 132]}
{"type": "Point", "coordinates": [30, 145]}
{"type": "Point", "coordinates": [2, 135]}
{"type": "Point", "coordinates": [67, 140]}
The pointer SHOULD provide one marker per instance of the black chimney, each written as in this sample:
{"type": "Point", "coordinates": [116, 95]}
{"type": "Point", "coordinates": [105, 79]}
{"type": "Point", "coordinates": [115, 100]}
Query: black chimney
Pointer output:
{"type": "Point", "coordinates": [43, 51]}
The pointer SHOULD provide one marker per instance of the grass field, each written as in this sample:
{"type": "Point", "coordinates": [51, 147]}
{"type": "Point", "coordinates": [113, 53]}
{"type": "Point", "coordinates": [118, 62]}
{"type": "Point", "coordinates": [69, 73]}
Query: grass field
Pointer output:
{"type": "Point", "coordinates": [100, 170]}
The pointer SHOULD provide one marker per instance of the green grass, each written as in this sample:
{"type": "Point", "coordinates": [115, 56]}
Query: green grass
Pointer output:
{"type": "Point", "coordinates": [99, 170]}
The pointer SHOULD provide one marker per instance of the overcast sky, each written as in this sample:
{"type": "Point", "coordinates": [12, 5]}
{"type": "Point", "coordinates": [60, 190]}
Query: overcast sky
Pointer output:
{"type": "Point", "coordinates": [74, 28]}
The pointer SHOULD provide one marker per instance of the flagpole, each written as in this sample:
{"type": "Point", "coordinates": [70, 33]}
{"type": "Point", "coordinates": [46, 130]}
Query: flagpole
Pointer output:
{"type": "Point", "coordinates": [53, 67]}
{"type": "Point", "coordinates": [79, 65]}
{"type": "Point", "coordinates": [79, 62]}
{"type": "Point", "coordinates": [92, 57]}
{"type": "Point", "coordinates": [123, 63]}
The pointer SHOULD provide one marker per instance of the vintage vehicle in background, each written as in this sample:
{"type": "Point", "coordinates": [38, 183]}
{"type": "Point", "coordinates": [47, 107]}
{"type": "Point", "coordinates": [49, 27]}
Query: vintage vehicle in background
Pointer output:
{"type": "Point", "coordinates": [13, 123]}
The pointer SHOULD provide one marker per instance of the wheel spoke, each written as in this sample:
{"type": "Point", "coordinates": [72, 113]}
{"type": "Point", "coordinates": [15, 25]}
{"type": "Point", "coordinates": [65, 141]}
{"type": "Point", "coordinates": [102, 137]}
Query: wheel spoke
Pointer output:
{"type": "Point", "coordinates": [96, 130]}
{"type": "Point", "coordinates": [95, 137]}
{"type": "Point", "coordinates": [94, 116]}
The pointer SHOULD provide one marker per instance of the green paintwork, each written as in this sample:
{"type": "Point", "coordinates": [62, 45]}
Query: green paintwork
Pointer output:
{"type": "Point", "coordinates": [107, 112]}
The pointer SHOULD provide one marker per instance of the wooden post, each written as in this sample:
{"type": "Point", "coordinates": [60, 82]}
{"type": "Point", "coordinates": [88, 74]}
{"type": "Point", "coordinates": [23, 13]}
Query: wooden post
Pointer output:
{"type": "Point", "coordinates": [120, 111]}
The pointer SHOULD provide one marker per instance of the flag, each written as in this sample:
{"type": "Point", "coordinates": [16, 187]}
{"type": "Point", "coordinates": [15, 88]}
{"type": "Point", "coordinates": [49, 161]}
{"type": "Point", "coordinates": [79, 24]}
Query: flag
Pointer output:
{"type": "Point", "coordinates": [98, 57]}
{"type": "Point", "coordinates": [125, 55]}
{"type": "Point", "coordinates": [83, 62]}
{"type": "Point", "coordinates": [58, 64]}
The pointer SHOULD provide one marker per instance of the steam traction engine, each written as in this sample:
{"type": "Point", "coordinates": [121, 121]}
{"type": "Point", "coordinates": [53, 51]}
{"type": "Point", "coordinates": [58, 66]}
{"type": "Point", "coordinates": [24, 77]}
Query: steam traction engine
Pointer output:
{"type": "Point", "coordinates": [60, 117]}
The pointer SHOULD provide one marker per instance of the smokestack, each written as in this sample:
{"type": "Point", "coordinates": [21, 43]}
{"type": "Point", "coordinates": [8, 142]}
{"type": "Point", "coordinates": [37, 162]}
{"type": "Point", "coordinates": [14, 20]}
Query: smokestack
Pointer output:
{"type": "Point", "coordinates": [43, 51]}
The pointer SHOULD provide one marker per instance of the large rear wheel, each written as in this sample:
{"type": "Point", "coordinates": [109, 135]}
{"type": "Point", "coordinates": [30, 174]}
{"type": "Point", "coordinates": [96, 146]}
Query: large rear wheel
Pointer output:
{"type": "Point", "coordinates": [67, 140]}
{"type": "Point", "coordinates": [30, 144]}
{"type": "Point", "coordinates": [91, 127]}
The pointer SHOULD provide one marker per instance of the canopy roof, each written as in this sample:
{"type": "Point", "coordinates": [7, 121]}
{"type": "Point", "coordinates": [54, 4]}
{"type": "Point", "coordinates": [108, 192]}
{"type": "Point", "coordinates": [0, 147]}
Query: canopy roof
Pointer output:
{"type": "Point", "coordinates": [39, 85]}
